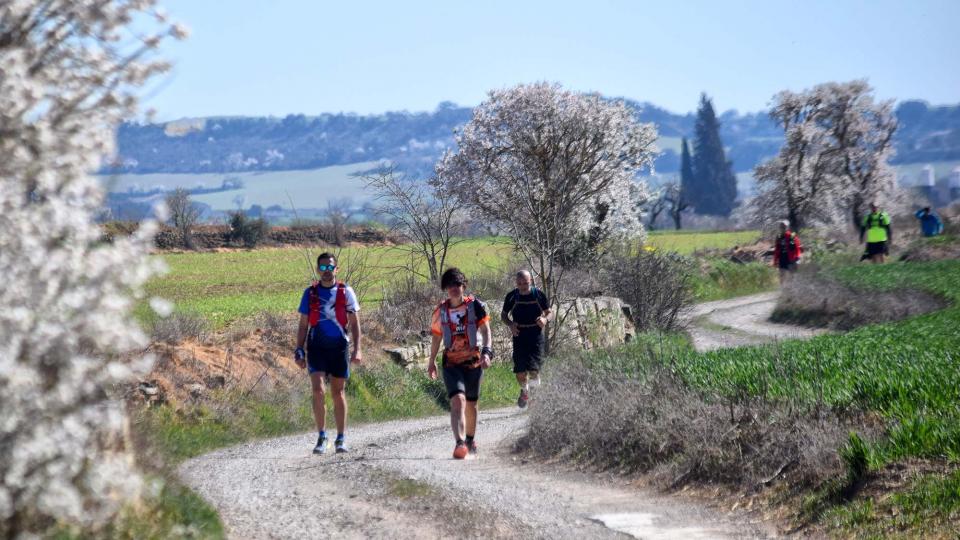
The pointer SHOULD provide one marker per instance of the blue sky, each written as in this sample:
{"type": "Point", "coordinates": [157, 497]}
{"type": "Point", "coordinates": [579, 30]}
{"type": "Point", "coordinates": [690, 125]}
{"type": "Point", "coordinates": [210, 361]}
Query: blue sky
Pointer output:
{"type": "Point", "coordinates": [255, 57]}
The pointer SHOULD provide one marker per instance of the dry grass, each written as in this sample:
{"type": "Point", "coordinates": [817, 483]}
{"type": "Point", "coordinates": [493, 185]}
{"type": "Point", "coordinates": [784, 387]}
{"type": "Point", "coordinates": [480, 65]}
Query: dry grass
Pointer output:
{"type": "Point", "coordinates": [811, 299]}
{"type": "Point", "coordinates": [658, 426]}
{"type": "Point", "coordinates": [180, 327]}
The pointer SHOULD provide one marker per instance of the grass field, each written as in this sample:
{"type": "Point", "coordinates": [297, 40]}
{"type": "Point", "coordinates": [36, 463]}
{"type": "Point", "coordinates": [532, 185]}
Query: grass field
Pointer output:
{"type": "Point", "coordinates": [686, 242]}
{"type": "Point", "coordinates": [907, 373]}
{"type": "Point", "coordinates": [227, 286]}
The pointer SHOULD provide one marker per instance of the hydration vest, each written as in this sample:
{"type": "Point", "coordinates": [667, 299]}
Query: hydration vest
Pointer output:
{"type": "Point", "coordinates": [517, 302]}
{"type": "Point", "coordinates": [448, 327]}
{"type": "Point", "coordinates": [339, 305]}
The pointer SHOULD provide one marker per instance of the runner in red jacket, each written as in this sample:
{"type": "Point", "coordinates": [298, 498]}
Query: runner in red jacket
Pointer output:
{"type": "Point", "coordinates": [786, 251]}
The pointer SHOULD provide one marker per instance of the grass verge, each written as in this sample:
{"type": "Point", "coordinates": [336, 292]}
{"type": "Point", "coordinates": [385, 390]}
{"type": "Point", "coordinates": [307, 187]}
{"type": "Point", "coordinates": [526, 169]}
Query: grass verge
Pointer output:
{"type": "Point", "coordinates": [377, 394]}
{"type": "Point", "coordinates": [901, 378]}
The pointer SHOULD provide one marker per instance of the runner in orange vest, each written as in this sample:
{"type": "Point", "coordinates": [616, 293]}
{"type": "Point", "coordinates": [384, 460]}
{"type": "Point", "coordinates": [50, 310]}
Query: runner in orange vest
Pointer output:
{"type": "Point", "coordinates": [461, 324]}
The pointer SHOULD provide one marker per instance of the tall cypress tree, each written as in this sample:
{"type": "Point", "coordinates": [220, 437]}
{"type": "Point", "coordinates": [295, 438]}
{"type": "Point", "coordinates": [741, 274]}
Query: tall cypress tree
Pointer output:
{"type": "Point", "coordinates": [687, 182]}
{"type": "Point", "coordinates": [715, 186]}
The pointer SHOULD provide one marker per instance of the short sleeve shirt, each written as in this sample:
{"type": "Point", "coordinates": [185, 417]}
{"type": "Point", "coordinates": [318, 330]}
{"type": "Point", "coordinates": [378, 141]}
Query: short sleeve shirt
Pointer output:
{"type": "Point", "coordinates": [328, 315]}
{"type": "Point", "coordinates": [460, 350]}
{"type": "Point", "coordinates": [526, 307]}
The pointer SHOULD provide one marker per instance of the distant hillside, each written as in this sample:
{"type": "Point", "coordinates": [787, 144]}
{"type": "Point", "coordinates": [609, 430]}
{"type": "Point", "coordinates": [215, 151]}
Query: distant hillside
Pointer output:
{"type": "Point", "coordinates": [416, 140]}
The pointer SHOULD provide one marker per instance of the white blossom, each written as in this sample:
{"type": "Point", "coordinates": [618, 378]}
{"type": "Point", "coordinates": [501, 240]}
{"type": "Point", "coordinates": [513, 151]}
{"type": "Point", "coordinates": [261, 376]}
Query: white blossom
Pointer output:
{"type": "Point", "coordinates": [68, 73]}
{"type": "Point", "coordinates": [834, 160]}
{"type": "Point", "coordinates": [537, 160]}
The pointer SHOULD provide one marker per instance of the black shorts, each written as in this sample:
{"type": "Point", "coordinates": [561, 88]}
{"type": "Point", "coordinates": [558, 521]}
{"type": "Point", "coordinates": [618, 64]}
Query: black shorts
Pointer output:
{"type": "Point", "coordinates": [527, 351]}
{"type": "Point", "coordinates": [876, 248]}
{"type": "Point", "coordinates": [330, 358]}
{"type": "Point", "coordinates": [462, 380]}
{"type": "Point", "coordinates": [787, 265]}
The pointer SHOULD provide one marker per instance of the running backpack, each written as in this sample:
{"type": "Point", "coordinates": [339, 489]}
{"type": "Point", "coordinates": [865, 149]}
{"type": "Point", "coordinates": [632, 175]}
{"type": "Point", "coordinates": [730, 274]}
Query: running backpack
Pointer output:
{"type": "Point", "coordinates": [339, 305]}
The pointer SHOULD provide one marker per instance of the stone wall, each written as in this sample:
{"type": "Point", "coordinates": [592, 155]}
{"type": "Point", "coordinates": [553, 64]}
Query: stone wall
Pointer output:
{"type": "Point", "coordinates": [583, 323]}
{"type": "Point", "coordinates": [218, 236]}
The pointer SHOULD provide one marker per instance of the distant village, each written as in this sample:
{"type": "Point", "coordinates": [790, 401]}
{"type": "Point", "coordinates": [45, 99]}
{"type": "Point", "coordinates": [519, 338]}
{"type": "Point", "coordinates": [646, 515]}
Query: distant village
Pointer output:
{"type": "Point", "coordinates": [940, 191]}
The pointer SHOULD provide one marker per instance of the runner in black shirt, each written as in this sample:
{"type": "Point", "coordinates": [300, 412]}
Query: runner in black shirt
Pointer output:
{"type": "Point", "coordinates": [526, 310]}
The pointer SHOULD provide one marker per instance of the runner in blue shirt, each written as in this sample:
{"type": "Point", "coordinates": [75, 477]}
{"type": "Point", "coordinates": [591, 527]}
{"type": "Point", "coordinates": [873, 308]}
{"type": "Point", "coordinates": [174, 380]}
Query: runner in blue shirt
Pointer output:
{"type": "Point", "coordinates": [328, 324]}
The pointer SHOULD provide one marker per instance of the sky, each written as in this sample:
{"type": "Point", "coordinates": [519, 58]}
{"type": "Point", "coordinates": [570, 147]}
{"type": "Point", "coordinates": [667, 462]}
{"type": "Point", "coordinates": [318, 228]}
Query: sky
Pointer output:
{"type": "Point", "coordinates": [279, 57]}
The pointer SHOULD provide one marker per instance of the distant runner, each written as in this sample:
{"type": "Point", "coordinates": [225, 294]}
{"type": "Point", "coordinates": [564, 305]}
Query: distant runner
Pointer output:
{"type": "Point", "coordinates": [786, 251]}
{"type": "Point", "coordinates": [526, 310]}
{"type": "Point", "coordinates": [876, 228]}
{"type": "Point", "coordinates": [930, 224]}
{"type": "Point", "coordinates": [327, 310]}
{"type": "Point", "coordinates": [461, 324]}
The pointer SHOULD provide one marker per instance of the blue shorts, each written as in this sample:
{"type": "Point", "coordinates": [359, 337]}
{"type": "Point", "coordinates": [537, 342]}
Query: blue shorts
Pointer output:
{"type": "Point", "coordinates": [330, 358]}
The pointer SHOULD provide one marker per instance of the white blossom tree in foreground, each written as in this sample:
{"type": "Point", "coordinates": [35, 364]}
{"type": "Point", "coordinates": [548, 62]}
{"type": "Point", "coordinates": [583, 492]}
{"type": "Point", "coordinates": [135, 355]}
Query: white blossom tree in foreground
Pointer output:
{"type": "Point", "coordinates": [68, 72]}
{"type": "Point", "coordinates": [834, 160]}
{"type": "Point", "coordinates": [538, 160]}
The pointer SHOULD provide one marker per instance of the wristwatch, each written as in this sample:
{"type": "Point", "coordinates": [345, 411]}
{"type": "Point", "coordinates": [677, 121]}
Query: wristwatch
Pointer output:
{"type": "Point", "coordinates": [487, 351]}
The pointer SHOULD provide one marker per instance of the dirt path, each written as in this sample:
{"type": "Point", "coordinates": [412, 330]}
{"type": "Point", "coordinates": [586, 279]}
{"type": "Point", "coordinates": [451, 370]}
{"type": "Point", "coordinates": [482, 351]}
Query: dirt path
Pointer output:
{"type": "Point", "coordinates": [740, 321]}
{"type": "Point", "coordinates": [399, 480]}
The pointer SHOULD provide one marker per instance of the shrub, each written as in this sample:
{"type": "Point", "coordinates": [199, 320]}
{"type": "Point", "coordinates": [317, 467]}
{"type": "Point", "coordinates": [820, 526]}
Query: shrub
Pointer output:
{"type": "Point", "coordinates": [656, 285]}
{"type": "Point", "coordinates": [650, 422]}
{"type": "Point", "coordinates": [246, 231]}
{"type": "Point", "coordinates": [405, 309]}
{"type": "Point", "coordinates": [811, 299]}
{"type": "Point", "coordinates": [180, 326]}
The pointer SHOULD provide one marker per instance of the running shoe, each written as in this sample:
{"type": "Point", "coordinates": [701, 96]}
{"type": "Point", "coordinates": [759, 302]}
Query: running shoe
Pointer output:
{"type": "Point", "coordinates": [523, 399]}
{"type": "Point", "coordinates": [340, 447]}
{"type": "Point", "coordinates": [321, 447]}
{"type": "Point", "coordinates": [472, 448]}
{"type": "Point", "coordinates": [460, 451]}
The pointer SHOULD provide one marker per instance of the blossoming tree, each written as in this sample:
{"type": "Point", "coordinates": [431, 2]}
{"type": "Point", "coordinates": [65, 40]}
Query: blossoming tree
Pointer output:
{"type": "Point", "coordinates": [834, 160]}
{"type": "Point", "coordinates": [537, 160]}
{"type": "Point", "coordinates": [68, 74]}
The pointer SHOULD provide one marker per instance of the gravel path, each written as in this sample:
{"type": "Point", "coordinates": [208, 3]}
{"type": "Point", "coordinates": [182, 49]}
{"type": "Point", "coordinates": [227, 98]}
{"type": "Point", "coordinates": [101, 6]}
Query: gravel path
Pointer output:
{"type": "Point", "coordinates": [740, 321]}
{"type": "Point", "coordinates": [400, 481]}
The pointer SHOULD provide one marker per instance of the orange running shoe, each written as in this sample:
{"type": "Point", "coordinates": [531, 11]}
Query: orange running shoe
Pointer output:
{"type": "Point", "coordinates": [460, 451]}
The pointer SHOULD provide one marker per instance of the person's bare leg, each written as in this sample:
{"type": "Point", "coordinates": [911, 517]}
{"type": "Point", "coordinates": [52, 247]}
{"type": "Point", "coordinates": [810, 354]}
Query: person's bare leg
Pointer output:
{"type": "Point", "coordinates": [534, 378]}
{"type": "Point", "coordinates": [319, 400]}
{"type": "Point", "coordinates": [471, 418]}
{"type": "Point", "coordinates": [337, 386]}
{"type": "Point", "coordinates": [457, 420]}
{"type": "Point", "coordinates": [522, 379]}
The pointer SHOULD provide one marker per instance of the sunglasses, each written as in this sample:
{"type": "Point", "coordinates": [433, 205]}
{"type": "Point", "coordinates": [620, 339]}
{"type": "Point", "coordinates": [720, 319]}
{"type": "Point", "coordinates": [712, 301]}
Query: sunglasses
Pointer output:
{"type": "Point", "coordinates": [326, 267]}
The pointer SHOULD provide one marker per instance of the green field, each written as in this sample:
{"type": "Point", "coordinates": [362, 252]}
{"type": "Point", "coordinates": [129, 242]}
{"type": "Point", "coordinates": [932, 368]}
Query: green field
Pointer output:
{"type": "Point", "coordinates": [908, 372]}
{"type": "Point", "coordinates": [686, 242]}
{"type": "Point", "coordinates": [228, 286]}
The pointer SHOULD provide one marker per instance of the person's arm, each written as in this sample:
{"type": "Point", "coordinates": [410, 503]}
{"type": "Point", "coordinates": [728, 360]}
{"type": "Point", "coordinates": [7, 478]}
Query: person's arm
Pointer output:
{"type": "Point", "coordinates": [353, 322]}
{"type": "Point", "coordinates": [437, 334]}
{"type": "Point", "coordinates": [301, 339]}
{"type": "Point", "coordinates": [505, 314]}
{"type": "Point", "coordinates": [799, 247]}
{"type": "Point", "coordinates": [863, 229]}
{"type": "Point", "coordinates": [889, 229]}
{"type": "Point", "coordinates": [486, 348]}
{"type": "Point", "coordinates": [432, 360]}
{"type": "Point", "coordinates": [547, 313]}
